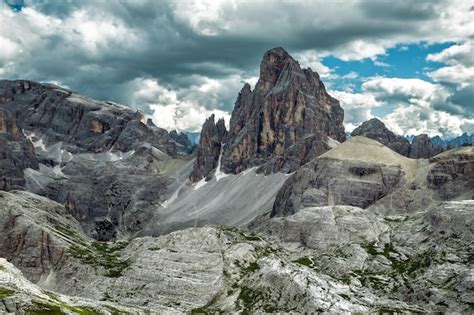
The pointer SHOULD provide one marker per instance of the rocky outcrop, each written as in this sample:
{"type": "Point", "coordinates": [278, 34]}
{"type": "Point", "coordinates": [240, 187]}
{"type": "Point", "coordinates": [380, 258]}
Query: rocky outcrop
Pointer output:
{"type": "Point", "coordinates": [375, 129]}
{"type": "Point", "coordinates": [182, 141]}
{"type": "Point", "coordinates": [209, 149]}
{"type": "Point", "coordinates": [452, 173]}
{"type": "Point", "coordinates": [80, 123]}
{"type": "Point", "coordinates": [284, 122]}
{"type": "Point", "coordinates": [357, 173]}
{"type": "Point", "coordinates": [204, 270]}
{"type": "Point", "coordinates": [16, 153]}
{"type": "Point", "coordinates": [20, 296]}
{"type": "Point", "coordinates": [422, 147]}
{"type": "Point", "coordinates": [420, 258]}
{"type": "Point", "coordinates": [362, 172]}
{"type": "Point", "coordinates": [99, 159]}
{"type": "Point", "coordinates": [334, 259]}
{"type": "Point", "coordinates": [110, 194]}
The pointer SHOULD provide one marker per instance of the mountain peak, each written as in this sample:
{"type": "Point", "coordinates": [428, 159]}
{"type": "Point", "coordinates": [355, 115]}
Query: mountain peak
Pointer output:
{"type": "Point", "coordinates": [283, 123]}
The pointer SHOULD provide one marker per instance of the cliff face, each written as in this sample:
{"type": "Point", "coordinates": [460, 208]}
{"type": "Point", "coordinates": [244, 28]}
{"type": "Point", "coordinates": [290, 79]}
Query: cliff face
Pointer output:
{"type": "Point", "coordinates": [16, 153]}
{"type": "Point", "coordinates": [209, 150]}
{"type": "Point", "coordinates": [284, 122]}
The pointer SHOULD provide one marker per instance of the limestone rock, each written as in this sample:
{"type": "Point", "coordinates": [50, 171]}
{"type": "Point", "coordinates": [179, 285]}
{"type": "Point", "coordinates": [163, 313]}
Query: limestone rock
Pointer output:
{"type": "Point", "coordinates": [16, 153]}
{"type": "Point", "coordinates": [110, 194]}
{"type": "Point", "coordinates": [420, 259]}
{"type": "Point", "coordinates": [287, 105]}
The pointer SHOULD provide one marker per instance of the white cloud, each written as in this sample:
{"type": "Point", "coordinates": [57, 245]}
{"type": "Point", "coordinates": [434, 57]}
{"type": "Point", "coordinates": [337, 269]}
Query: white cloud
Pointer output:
{"type": "Point", "coordinates": [457, 74]}
{"type": "Point", "coordinates": [359, 49]}
{"type": "Point", "coordinates": [413, 103]}
{"type": "Point", "coordinates": [455, 54]}
{"type": "Point", "coordinates": [9, 50]}
{"type": "Point", "coordinates": [171, 112]}
{"type": "Point", "coordinates": [310, 59]}
{"type": "Point", "coordinates": [357, 107]}
{"type": "Point", "coordinates": [412, 120]}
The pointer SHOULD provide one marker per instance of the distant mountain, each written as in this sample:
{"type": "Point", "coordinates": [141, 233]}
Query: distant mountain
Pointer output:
{"type": "Point", "coordinates": [462, 140]}
{"type": "Point", "coordinates": [193, 137]}
{"type": "Point", "coordinates": [413, 146]}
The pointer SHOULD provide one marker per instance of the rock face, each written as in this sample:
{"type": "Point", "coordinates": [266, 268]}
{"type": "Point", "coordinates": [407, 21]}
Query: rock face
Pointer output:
{"type": "Point", "coordinates": [16, 153]}
{"type": "Point", "coordinates": [422, 148]}
{"type": "Point", "coordinates": [209, 149]}
{"type": "Point", "coordinates": [332, 258]}
{"type": "Point", "coordinates": [110, 194]}
{"type": "Point", "coordinates": [204, 269]}
{"type": "Point", "coordinates": [284, 122]}
{"type": "Point", "coordinates": [375, 129]}
{"type": "Point", "coordinates": [81, 123]}
{"type": "Point", "coordinates": [453, 173]}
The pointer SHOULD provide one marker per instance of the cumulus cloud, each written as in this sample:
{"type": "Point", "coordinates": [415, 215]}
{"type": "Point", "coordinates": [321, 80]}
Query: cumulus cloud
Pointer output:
{"type": "Point", "coordinates": [455, 54]}
{"type": "Point", "coordinates": [412, 119]}
{"type": "Point", "coordinates": [169, 110]}
{"type": "Point", "coordinates": [178, 58]}
{"type": "Point", "coordinates": [417, 106]}
{"type": "Point", "coordinates": [357, 106]}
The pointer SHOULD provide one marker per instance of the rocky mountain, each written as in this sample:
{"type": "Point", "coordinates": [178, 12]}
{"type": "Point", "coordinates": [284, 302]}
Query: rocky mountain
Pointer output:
{"type": "Point", "coordinates": [463, 140]}
{"type": "Point", "coordinates": [212, 269]}
{"type": "Point", "coordinates": [99, 159]}
{"type": "Point", "coordinates": [102, 212]}
{"type": "Point", "coordinates": [283, 123]}
{"type": "Point", "coordinates": [375, 129]}
{"type": "Point", "coordinates": [80, 123]}
{"type": "Point", "coordinates": [16, 153]}
{"type": "Point", "coordinates": [421, 146]}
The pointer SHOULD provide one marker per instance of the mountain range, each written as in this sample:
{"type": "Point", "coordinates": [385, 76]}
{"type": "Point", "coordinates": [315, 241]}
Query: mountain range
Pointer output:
{"type": "Point", "coordinates": [103, 212]}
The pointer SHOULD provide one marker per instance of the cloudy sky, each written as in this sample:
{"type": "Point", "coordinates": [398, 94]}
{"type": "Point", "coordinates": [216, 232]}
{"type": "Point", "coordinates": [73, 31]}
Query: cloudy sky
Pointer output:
{"type": "Point", "coordinates": [410, 63]}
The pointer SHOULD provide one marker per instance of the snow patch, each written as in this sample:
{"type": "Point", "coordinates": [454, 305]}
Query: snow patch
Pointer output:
{"type": "Point", "coordinates": [200, 184]}
{"type": "Point", "coordinates": [220, 174]}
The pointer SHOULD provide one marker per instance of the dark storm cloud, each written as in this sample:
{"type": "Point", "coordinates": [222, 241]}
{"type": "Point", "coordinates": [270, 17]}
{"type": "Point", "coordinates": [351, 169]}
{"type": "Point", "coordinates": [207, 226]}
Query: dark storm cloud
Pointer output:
{"type": "Point", "coordinates": [172, 49]}
{"type": "Point", "coordinates": [461, 102]}
{"type": "Point", "coordinates": [182, 49]}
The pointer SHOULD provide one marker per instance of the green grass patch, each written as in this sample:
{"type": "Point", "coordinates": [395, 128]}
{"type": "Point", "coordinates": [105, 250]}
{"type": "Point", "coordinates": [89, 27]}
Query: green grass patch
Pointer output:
{"type": "Point", "coordinates": [305, 261]}
{"type": "Point", "coordinates": [251, 237]}
{"type": "Point", "coordinates": [105, 255]}
{"type": "Point", "coordinates": [205, 310]}
{"type": "Point", "coordinates": [4, 292]}
{"type": "Point", "coordinates": [251, 268]}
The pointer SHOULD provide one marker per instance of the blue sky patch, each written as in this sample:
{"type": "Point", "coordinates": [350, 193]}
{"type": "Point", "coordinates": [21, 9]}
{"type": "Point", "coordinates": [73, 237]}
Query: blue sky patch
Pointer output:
{"type": "Point", "coordinates": [401, 61]}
